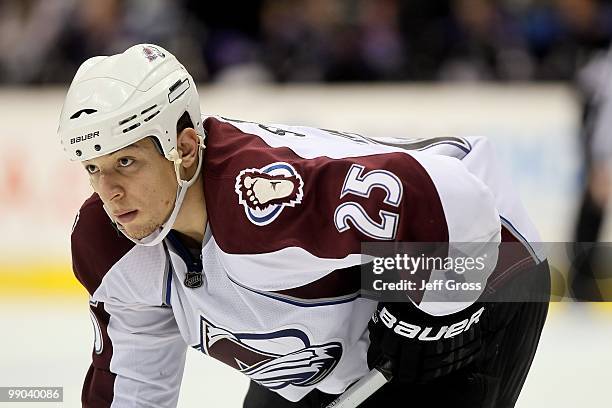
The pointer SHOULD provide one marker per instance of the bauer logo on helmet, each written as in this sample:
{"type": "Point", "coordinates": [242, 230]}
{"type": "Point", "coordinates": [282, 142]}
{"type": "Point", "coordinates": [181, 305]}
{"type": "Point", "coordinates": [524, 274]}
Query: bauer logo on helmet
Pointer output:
{"type": "Point", "coordinates": [83, 138]}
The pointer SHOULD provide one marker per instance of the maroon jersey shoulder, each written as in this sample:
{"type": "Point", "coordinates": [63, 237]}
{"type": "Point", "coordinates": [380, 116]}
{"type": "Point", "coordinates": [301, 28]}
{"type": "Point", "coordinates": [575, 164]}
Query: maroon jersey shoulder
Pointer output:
{"type": "Point", "coordinates": [313, 191]}
{"type": "Point", "coordinates": [96, 244]}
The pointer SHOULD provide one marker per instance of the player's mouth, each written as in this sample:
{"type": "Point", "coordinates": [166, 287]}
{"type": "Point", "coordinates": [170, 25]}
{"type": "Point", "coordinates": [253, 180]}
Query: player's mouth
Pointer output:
{"type": "Point", "coordinates": [126, 217]}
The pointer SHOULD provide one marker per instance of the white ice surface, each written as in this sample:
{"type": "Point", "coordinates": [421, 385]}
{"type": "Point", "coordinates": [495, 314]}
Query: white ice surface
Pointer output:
{"type": "Point", "coordinates": [49, 344]}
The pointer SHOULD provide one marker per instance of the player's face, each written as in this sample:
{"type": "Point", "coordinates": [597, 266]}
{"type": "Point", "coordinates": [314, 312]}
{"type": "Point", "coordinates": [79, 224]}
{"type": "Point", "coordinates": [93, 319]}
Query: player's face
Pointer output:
{"type": "Point", "coordinates": [137, 184]}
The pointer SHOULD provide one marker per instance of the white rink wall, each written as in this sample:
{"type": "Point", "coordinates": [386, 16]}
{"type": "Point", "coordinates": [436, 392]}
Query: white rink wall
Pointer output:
{"type": "Point", "coordinates": [533, 128]}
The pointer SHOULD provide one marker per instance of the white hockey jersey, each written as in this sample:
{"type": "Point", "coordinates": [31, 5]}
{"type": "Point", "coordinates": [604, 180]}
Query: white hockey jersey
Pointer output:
{"type": "Point", "coordinates": [278, 295]}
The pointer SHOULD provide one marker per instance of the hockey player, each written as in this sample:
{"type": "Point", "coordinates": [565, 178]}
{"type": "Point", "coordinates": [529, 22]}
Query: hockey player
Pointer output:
{"type": "Point", "coordinates": [592, 83]}
{"type": "Point", "coordinates": [243, 241]}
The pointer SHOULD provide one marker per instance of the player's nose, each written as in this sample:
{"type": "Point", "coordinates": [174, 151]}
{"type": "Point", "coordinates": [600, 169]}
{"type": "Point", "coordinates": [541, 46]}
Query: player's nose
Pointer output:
{"type": "Point", "coordinates": [108, 188]}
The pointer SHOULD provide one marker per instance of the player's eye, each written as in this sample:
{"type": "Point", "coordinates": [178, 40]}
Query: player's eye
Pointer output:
{"type": "Point", "coordinates": [124, 161]}
{"type": "Point", "coordinates": [91, 169]}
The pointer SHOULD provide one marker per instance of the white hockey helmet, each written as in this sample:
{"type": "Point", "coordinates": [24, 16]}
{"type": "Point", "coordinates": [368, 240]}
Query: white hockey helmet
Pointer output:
{"type": "Point", "coordinates": [117, 100]}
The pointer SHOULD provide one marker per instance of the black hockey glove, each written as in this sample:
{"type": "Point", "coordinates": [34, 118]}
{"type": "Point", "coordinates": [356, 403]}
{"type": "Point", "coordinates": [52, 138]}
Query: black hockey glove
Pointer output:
{"type": "Point", "coordinates": [422, 347]}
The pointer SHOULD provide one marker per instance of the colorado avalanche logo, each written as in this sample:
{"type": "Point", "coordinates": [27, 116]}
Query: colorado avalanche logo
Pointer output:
{"type": "Point", "coordinates": [275, 360]}
{"type": "Point", "coordinates": [265, 192]}
{"type": "Point", "coordinates": [151, 53]}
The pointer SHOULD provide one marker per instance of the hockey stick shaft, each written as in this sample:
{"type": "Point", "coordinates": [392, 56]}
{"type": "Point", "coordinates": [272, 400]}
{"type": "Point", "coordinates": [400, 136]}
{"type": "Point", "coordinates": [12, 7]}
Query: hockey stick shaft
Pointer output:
{"type": "Point", "coordinates": [360, 391]}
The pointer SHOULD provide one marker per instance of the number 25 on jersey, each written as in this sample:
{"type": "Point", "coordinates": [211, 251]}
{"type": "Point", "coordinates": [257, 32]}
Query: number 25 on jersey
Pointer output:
{"type": "Point", "coordinates": [360, 184]}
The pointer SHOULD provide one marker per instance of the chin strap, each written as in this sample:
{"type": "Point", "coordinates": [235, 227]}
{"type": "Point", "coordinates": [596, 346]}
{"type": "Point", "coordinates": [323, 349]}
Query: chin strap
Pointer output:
{"type": "Point", "coordinates": [158, 236]}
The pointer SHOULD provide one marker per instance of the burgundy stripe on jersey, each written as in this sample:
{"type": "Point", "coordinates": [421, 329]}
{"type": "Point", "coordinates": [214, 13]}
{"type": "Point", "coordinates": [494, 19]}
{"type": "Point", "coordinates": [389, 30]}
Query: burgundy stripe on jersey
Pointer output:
{"type": "Point", "coordinates": [96, 244]}
{"type": "Point", "coordinates": [99, 381]}
{"type": "Point", "coordinates": [341, 282]}
{"type": "Point", "coordinates": [514, 258]}
{"type": "Point", "coordinates": [96, 247]}
{"type": "Point", "coordinates": [229, 151]}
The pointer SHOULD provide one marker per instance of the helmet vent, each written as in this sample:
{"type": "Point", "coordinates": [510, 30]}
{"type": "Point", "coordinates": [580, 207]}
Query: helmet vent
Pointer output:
{"type": "Point", "coordinates": [78, 113]}
{"type": "Point", "coordinates": [126, 120]}
{"type": "Point", "coordinates": [148, 109]}
{"type": "Point", "coordinates": [151, 116]}
{"type": "Point", "coordinates": [134, 126]}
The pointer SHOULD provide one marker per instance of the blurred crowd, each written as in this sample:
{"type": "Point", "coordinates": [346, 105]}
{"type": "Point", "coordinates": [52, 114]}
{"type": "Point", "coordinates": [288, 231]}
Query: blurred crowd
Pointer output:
{"type": "Point", "coordinates": [44, 41]}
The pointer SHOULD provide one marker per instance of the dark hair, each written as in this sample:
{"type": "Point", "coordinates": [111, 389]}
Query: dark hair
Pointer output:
{"type": "Point", "coordinates": [183, 123]}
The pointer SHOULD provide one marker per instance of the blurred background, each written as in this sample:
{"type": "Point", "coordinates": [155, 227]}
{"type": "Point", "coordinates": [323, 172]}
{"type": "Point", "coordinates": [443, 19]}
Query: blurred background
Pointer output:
{"type": "Point", "coordinates": [532, 75]}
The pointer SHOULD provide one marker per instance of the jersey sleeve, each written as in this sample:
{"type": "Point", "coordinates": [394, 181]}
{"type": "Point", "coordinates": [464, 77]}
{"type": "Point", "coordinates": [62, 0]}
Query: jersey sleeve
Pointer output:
{"type": "Point", "coordinates": [138, 355]}
{"type": "Point", "coordinates": [148, 356]}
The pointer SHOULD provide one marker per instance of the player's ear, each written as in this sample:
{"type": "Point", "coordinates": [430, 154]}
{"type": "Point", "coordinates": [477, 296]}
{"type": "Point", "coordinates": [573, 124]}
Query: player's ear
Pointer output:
{"type": "Point", "coordinates": [187, 146]}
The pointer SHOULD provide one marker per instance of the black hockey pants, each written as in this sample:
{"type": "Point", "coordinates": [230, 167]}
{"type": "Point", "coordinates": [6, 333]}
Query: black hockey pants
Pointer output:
{"type": "Point", "coordinates": [494, 381]}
